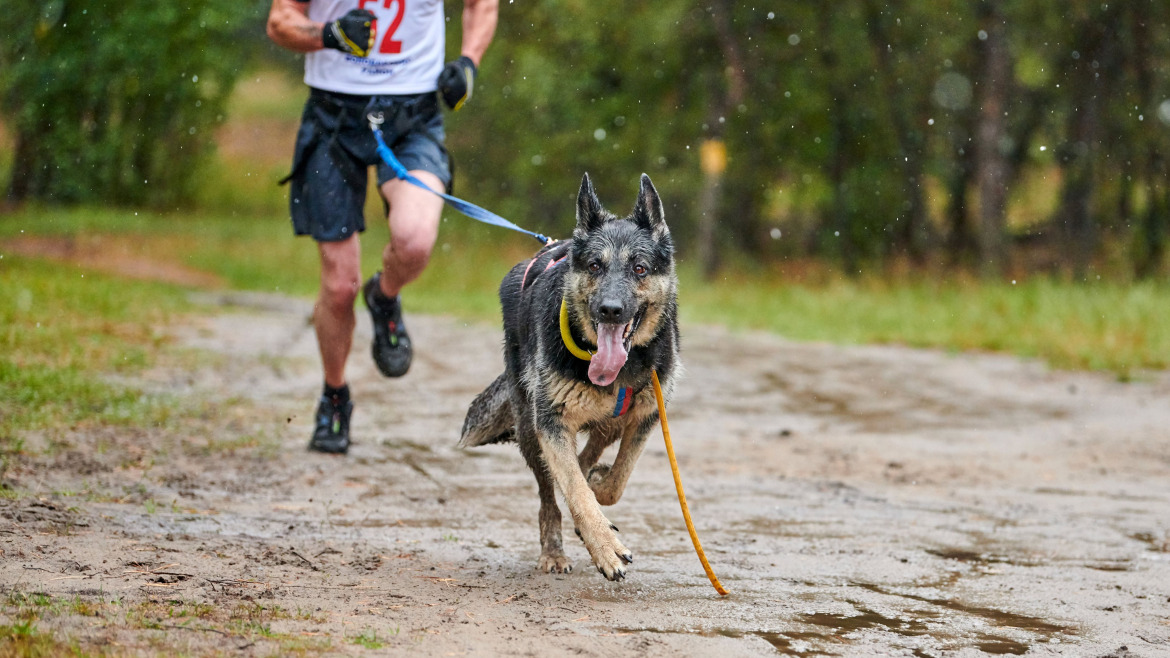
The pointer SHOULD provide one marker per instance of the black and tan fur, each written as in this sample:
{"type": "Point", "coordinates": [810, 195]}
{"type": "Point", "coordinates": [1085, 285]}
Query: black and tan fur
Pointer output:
{"type": "Point", "coordinates": [619, 270]}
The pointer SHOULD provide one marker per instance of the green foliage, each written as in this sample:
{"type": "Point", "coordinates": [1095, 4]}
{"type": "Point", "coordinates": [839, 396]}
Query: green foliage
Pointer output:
{"type": "Point", "coordinates": [115, 101]}
{"type": "Point", "coordinates": [569, 87]}
{"type": "Point", "coordinates": [848, 131]}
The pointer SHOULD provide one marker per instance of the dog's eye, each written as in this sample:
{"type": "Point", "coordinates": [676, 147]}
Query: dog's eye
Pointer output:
{"type": "Point", "coordinates": [640, 269]}
{"type": "Point", "coordinates": [594, 267]}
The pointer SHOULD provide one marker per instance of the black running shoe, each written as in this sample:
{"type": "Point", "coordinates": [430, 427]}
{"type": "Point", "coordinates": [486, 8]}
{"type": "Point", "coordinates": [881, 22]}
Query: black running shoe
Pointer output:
{"type": "Point", "coordinates": [391, 347]}
{"type": "Point", "coordinates": [332, 432]}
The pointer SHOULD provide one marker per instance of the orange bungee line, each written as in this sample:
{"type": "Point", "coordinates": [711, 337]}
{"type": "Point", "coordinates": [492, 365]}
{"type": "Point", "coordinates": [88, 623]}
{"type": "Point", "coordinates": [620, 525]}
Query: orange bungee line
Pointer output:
{"type": "Point", "coordinates": [584, 355]}
{"type": "Point", "coordinates": [682, 498]}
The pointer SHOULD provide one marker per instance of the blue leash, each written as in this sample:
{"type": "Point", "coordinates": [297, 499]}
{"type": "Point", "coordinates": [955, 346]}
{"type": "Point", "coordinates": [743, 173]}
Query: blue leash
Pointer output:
{"type": "Point", "coordinates": [470, 209]}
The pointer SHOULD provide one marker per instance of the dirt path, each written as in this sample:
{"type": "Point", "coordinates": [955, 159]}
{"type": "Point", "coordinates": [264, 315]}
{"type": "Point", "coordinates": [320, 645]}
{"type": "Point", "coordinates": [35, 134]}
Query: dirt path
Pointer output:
{"type": "Point", "coordinates": [857, 501]}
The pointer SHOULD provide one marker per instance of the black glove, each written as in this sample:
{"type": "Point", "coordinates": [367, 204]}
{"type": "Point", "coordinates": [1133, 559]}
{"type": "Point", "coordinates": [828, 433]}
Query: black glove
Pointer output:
{"type": "Point", "coordinates": [353, 33]}
{"type": "Point", "coordinates": [457, 81]}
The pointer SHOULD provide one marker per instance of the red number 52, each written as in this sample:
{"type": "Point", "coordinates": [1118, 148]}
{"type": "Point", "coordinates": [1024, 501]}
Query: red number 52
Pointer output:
{"type": "Point", "coordinates": [389, 45]}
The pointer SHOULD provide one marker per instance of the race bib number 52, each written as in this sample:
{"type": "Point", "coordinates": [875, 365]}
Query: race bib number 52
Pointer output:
{"type": "Point", "coordinates": [389, 45]}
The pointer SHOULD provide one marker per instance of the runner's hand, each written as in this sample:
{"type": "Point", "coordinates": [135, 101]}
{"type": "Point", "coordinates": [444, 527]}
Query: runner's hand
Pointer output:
{"type": "Point", "coordinates": [353, 33]}
{"type": "Point", "coordinates": [457, 81]}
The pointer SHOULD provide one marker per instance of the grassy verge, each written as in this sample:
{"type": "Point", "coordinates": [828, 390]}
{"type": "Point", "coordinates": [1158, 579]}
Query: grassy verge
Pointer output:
{"type": "Point", "coordinates": [33, 613]}
{"type": "Point", "coordinates": [1102, 326]}
{"type": "Point", "coordinates": [1099, 326]}
{"type": "Point", "coordinates": [61, 329]}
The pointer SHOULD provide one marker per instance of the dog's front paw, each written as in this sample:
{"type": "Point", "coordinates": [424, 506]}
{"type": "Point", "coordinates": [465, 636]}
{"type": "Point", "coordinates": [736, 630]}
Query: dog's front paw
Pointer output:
{"type": "Point", "coordinates": [609, 555]}
{"type": "Point", "coordinates": [554, 563]}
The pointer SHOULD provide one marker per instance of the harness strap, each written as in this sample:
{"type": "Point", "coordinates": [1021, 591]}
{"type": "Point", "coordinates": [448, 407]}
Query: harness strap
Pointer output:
{"type": "Point", "coordinates": [524, 281]}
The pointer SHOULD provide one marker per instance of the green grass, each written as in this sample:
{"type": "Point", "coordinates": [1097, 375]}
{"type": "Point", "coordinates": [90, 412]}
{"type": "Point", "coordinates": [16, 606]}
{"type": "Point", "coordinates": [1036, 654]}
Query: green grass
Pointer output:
{"type": "Point", "coordinates": [1120, 328]}
{"type": "Point", "coordinates": [29, 611]}
{"type": "Point", "coordinates": [260, 252]}
{"type": "Point", "coordinates": [61, 329]}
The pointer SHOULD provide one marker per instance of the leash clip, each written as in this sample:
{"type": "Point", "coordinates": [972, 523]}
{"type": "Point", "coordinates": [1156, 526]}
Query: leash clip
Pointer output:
{"type": "Point", "coordinates": [376, 120]}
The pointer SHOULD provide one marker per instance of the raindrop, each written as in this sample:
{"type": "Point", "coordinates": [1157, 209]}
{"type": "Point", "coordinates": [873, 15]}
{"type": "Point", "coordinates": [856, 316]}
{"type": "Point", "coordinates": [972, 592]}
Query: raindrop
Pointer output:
{"type": "Point", "coordinates": [982, 35]}
{"type": "Point", "coordinates": [930, 122]}
{"type": "Point", "coordinates": [775, 233]}
{"type": "Point", "coordinates": [793, 39]}
{"type": "Point", "coordinates": [1164, 112]}
{"type": "Point", "coordinates": [538, 159]}
{"type": "Point", "coordinates": [952, 91]}
{"type": "Point", "coordinates": [771, 15]}
{"type": "Point", "coordinates": [599, 134]}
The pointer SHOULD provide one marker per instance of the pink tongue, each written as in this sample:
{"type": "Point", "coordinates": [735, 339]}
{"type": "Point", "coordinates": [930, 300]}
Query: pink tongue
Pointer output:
{"type": "Point", "coordinates": [611, 354]}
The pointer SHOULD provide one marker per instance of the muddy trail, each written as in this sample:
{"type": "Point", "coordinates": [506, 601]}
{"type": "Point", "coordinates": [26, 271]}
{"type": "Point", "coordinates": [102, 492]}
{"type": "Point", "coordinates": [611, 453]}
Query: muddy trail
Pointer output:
{"type": "Point", "coordinates": [856, 501]}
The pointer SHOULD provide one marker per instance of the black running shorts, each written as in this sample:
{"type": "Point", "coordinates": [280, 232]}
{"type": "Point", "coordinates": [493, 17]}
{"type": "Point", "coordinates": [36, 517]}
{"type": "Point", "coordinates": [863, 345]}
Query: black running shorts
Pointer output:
{"type": "Point", "coordinates": [335, 148]}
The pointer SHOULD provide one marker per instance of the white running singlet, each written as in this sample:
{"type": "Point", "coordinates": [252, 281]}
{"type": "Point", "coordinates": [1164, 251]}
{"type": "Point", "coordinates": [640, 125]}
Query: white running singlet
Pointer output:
{"type": "Point", "coordinates": [407, 56]}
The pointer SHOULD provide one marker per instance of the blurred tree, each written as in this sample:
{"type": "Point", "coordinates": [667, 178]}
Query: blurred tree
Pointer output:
{"type": "Point", "coordinates": [991, 145]}
{"type": "Point", "coordinates": [1003, 132]}
{"type": "Point", "coordinates": [115, 101]}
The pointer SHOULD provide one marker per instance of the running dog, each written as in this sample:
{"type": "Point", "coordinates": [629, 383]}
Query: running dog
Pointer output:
{"type": "Point", "coordinates": [586, 322]}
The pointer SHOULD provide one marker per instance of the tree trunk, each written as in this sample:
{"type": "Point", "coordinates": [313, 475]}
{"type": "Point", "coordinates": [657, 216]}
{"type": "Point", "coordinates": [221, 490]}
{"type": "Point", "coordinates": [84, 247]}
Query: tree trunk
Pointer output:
{"type": "Point", "coordinates": [912, 235]}
{"type": "Point", "coordinates": [1095, 40]}
{"type": "Point", "coordinates": [961, 238]}
{"type": "Point", "coordinates": [991, 165]}
{"type": "Point", "coordinates": [20, 181]}
{"type": "Point", "coordinates": [726, 92]}
{"type": "Point", "coordinates": [1154, 175]}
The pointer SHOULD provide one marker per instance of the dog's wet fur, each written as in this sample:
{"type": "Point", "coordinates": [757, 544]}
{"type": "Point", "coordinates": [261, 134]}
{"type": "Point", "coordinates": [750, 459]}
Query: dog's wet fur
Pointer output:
{"type": "Point", "coordinates": [617, 279]}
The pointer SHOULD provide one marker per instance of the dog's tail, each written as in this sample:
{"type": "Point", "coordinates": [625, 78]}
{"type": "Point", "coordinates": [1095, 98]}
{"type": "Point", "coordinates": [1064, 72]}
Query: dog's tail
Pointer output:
{"type": "Point", "coordinates": [489, 418]}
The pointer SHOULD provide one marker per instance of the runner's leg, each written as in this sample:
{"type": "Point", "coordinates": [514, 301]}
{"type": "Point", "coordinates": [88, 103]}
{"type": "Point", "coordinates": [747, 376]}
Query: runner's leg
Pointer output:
{"type": "Point", "coordinates": [414, 227]}
{"type": "Point", "coordinates": [333, 316]}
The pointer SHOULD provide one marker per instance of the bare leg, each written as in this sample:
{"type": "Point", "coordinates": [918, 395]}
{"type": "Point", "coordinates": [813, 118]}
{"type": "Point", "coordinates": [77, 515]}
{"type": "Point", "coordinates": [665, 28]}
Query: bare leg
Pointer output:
{"type": "Point", "coordinates": [414, 226]}
{"type": "Point", "coordinates": [333, 315]}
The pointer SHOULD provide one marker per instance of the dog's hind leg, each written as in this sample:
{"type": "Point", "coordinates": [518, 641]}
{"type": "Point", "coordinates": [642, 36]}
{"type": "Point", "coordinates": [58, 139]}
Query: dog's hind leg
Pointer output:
{"type": "Point", "coordinates": [609, 482]}
{"type": "Point", "coordinates": [552, 551]}
{"type": "Point", "coordinates": [601, 436]}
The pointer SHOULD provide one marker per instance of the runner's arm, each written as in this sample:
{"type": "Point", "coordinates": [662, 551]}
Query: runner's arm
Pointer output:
{"type": "Point", "coordinates": [289, 26]}
{"type": "Point", "coordinates": [479, 26]}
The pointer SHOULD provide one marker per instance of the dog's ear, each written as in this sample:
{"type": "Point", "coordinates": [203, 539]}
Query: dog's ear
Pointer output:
{"type": "Point", "coordinates": [589, 213]}
{"type": "Point", "coordinates": [648, 209]}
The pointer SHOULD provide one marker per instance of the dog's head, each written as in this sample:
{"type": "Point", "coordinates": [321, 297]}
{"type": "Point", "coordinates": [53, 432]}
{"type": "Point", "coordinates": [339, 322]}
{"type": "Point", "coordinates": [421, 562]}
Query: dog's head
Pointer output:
{"type": "Point", "coordinates": [621, 280]}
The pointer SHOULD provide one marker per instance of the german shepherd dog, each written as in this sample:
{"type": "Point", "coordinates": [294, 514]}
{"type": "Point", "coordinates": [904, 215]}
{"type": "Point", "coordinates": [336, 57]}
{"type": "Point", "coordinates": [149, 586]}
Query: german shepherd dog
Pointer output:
{"type": "Point", "coordinates": [610, 291]}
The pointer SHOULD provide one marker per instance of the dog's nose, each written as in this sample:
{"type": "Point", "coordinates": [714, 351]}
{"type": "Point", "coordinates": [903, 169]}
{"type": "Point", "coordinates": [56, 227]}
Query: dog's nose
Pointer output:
{"type": "Point", "coordinates": [609, 311]}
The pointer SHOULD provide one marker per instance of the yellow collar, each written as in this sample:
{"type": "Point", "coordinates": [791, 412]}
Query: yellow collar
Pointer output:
{"type": "Point", "coordinates": [567, 336]}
